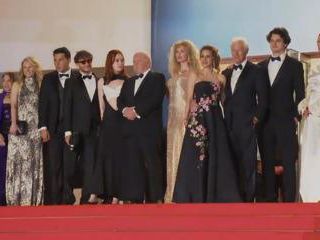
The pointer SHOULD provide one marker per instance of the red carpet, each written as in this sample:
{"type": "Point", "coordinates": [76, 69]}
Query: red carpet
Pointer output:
{"type": "Point", "coordinates": [198, 221]}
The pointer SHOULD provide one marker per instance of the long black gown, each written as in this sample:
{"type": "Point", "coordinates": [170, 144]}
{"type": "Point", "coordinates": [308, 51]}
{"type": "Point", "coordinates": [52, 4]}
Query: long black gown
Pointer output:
{"type": "Point", "coordinates": [109, 150]}
{"type": "Point", "coordinates": [206, 171]}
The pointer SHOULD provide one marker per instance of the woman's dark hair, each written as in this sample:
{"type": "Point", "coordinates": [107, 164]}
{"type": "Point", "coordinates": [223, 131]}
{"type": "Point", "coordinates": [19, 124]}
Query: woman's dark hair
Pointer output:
{"type": "Point", "coordinates": [282, 32]}
{"type": "Point", "coordinates": [108, 69]}
{"type": "Point", "coordinates": [215, 55]}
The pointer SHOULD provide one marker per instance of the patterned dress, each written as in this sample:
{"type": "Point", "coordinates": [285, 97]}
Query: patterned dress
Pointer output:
{"type": "Point", "coordinates": [24, 183]}
{"type": "Point", "coordinates": [206, 171]}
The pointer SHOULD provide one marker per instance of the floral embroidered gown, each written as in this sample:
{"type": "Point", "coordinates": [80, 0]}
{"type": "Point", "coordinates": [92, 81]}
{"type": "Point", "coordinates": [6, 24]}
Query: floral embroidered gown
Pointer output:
{"type": "Point", "coordinates": [206, 170]}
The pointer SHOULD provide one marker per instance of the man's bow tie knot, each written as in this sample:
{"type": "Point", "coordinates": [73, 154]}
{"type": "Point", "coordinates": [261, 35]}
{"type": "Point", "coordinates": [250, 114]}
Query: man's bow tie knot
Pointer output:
{"type": "Point", "coordinates": [236, 67]}
{"type": "Point", "coordinates": [275, 59]}
{"type": "Point", "coordinates": [140, 75]}
{"type": "Point", "coordinates": [61, 75]}
{"type": "Point", "coordinates": [86, 76]}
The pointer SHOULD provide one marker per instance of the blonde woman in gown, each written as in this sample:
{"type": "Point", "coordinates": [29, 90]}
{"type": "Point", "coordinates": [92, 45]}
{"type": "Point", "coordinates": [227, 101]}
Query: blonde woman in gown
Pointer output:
{"type": "Point", "coordinates": [24, 181]}
{"type": "Point", "coordinates": [310, 138]}
{"type": "Point", "coordinates": [184, 67]}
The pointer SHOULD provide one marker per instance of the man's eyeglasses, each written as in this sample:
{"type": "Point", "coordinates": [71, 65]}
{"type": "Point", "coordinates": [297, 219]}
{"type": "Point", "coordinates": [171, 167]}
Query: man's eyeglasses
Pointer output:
{"type": "Point", "coordinates": [89, 61]}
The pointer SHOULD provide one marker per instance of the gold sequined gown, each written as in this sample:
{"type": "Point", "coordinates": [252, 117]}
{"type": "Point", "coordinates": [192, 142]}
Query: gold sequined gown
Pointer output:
{"type": "Point", "coordinates": [178, 103]}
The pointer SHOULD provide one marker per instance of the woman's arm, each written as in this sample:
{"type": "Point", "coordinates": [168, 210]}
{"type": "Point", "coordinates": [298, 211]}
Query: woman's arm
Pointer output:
{"type": "Point", "coordinates": [190, 87]}
{"type": "Point", "coordinates": [168, 88]}
{"type": "Point", "coordinates": [100, 96]}
{"type": "Point", "coordinates": [14, 108]}
{"type": "Point", "coordinates": [221, 80]}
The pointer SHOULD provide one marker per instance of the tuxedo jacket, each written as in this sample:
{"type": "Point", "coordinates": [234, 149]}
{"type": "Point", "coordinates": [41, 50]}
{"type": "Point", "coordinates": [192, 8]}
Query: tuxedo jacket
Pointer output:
{"type": "Point", "coordinates": [81, 115]}
{"type": "Point", "coordinates": [51, 101]}
{"type": "Point", "coordinates": [147, 102]}
{"type": "Point", "coordinates": [249, 98]}
{"type": "Point", "coordinates": [289, 81]}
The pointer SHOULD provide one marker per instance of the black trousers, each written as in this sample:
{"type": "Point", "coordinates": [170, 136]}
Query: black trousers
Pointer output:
{"type": "Point", "coordinates": [53, 159]}
{"type": "Point", "coordinates": [142, 175]}
{"type": "Point", "coordinates": [280, 141]}
{"type": "Point", "coordinates": [244, 145]}
{"type": "Point", "coordinates": [81, 169]}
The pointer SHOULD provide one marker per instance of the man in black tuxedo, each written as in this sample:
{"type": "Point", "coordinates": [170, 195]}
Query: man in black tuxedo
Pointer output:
{"type": "Point", "coordinates": [286, 79]}
{"type": "Point", "coordinates": [51, 125]}
{"type": "Point", "coordinates": [81, 121]}
{"type": "Point", "coordinates": [245, 106]}
{"type": "Point", "coordinates": [140, 102]}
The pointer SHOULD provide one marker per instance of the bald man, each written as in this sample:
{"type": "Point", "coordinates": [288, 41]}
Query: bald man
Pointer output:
{"type": "Point", "coordinates": [140, 102]}
{"type": "Point", "coordinates": [245, 106]}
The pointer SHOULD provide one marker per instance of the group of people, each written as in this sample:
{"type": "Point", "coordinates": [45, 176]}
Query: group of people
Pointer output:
{"type": "Point", "coordinates": [71, 129]}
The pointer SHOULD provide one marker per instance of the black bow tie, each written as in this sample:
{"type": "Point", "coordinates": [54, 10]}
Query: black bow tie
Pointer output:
{"type": "Point", "coordinates": [140, 75]}
{"type": "Point", "coordinates": [236, 67]}
{"type": "Point", "coordinates": [275, 59]}
{"type": "Point", "coordinates": [61, 75]}
{"type": "Point", "coordinates": [86, 76]}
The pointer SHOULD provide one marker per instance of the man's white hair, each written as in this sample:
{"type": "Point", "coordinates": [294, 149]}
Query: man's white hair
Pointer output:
{"type": "Point", "coordinates": [242, 40]}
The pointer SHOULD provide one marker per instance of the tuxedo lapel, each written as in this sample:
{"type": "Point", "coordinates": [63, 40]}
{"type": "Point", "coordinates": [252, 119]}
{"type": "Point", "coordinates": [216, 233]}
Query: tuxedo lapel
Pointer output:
{"type": "Point", "coordinates": [228, 83]}
{"type": "Point", "coordinates": [96, 90]}
{"type": "Point", "coordinates": [143, 83]}
{"type": "Point", "coordinates": [264, 66]}
{"type": "Point", "coordinates": [241, 77]}
{"type": "Point", "coordinates": [84, 89]}
{"type": "Point", "coordinates": [56, 82]}
{"type": "Point", "coordinates": [129, 90]}
{"type": "Point", "coordinates": [281, 71]}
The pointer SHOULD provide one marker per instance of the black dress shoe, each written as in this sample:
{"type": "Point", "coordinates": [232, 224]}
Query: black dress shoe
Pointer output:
{"type": "Point", "coordinates": [107, 200]}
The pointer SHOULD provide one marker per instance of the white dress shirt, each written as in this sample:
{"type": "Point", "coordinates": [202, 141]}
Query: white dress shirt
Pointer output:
{"type": "Point", "coordinates": [139, 81]}
{"type": "Point", "coordinates": [90, 84]}
{"type": "Point", "coordinates": [64, 78]}
{"type": "Point", "coordinates": [274, 67]}
{"type": "Point", "coordinates": [236, 74]}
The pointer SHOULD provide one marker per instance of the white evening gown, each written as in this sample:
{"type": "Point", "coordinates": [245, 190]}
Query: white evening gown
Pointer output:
{"type": "Point", "coordinates": [310, 142]}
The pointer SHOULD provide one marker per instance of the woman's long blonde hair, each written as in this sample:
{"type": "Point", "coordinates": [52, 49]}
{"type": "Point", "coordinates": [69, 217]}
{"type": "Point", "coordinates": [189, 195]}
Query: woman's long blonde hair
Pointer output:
{"type": "Point", "coordinates": [193, 56]}
{"type": "Point", "coordinates": [37, 69]}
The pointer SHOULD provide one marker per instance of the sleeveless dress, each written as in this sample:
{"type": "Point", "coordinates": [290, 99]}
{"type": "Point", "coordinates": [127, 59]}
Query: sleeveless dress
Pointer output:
{"type": "Point", "coordinates": [110, 144]}
{"type": "Point", "coordinates": [175, 129]}
{"type": "Point", "coordinates": [24, 182]}
{"type": "Point", "coordinates": [206, 171]}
